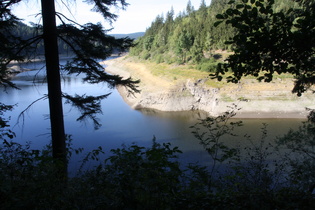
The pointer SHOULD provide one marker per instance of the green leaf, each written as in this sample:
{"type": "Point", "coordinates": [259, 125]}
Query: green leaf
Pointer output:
{"type": "Point", "coordinates": [259, 4]}
{"type": "Point", "coordinates": [239, 6]}
{"type": "Point", "coordinates": [229, 12]}
{"type": "Point", "coordinates": [217, 23]}
{"type": "Point", "coordinates": [219, 16]}
{"type": "Point", "coordinates": [255, 11]}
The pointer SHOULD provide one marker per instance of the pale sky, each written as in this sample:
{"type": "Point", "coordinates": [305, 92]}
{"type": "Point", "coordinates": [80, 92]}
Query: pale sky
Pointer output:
{"type": "Point", "coordinates": [136, 18]}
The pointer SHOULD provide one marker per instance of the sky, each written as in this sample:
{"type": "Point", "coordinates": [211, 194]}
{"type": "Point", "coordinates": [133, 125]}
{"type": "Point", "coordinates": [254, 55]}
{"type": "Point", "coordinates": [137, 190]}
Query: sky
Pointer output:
{"type": "Point", "coordinates": [137, 17]}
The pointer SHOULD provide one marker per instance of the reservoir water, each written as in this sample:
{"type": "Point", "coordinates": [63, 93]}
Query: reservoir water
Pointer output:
{"type": "Point", "coordinates": [120, 124]}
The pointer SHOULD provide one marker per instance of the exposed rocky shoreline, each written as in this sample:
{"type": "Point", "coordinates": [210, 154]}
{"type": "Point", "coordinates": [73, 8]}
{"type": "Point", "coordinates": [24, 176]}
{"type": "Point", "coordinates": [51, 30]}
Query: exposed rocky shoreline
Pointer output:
{"type": "Point", "coordinates": [255, 100]}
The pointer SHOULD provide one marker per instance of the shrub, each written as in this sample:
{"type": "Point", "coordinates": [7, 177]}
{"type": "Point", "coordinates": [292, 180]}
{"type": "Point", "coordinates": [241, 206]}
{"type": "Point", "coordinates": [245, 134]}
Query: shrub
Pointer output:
{"type": "Point", "coordinates": [141, 177]}
{"type": "Point", "coordinates": [145, 55]}
{"type": "Point", "coordinates": [159, 58]}
{"type": "Point", "coordinates": [136, 177]}
{"type": "Point", "coordinates": [209, 65]}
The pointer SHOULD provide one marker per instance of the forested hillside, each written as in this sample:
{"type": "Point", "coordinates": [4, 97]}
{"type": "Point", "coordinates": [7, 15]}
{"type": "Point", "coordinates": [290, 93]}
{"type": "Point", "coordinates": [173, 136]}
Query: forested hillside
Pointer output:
{"type": "Point", "coordinates": [191, 36]}
{"type": "Point", "coordinates": [26, 32]}
{"type": "Point", "coordinates": [131, 36]}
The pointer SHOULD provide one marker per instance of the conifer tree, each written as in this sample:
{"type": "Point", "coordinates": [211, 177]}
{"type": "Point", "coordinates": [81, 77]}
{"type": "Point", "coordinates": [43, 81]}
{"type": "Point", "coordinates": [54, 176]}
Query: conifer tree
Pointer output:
{"type": "Point", "coordinates": [162, 38]}
{"type": "Point", "coordinates": [9, 41]}
{"type": "Point", "coordinates": [189, 8]}
{"type": "Point", "coordinates": [183, 45]}
{"type": "Point", "coordinates": [202, 5]}
{"type": "Point", "coordinates": [86, 52]}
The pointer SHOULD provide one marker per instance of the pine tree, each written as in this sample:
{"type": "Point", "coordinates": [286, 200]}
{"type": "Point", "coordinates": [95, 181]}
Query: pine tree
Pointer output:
{"type": "Point", "coordinates": [9, 49]}
{"type": "Point", "coordinates": [202, 5]}
{"type": "Point", "coordinates": [86, 51]}
{"type": "Point", "coordinates": [183, 45]}
{"type": "Point", "coordinates": [189, 8]}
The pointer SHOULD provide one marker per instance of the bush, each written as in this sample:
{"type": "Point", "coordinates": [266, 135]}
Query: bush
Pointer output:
{"type": "Point", "coordinates": [136, 177]}
{"type": "Point", "coordinates": [139, 178]}
{"type": "Point", "coordinates": [159, 58]}
{"type": "Point", "coordinates": [28, 178]}
{"type": "Point", "coordinates": [170, 59]}
{"type": "Point", "coordinates": [133, 177]}
{"type": "Point", "coordinates": [208, 65]}
{"type": "Point", "coordinates": [145, 55]}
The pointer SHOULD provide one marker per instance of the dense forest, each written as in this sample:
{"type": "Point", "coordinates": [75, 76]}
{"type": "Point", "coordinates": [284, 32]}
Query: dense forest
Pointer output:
{"type": "Point", "coordinates": [191, 36]}
{"type": "Point", "coordinates": [26, 32]}
{"type": "Point", "coordinates": [258, 173]}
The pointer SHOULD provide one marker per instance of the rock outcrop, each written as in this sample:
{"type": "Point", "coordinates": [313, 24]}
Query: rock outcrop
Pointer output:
{"type": "Point", "coordinates": [187, 96]}
{"type": "Point", "coordinates": [253, 99]}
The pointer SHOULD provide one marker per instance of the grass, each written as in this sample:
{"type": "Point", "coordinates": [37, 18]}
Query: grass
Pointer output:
{"type": "Point", "coordinates": [226, 98]}
{"type": "Point", "coordinates": [177, 73]}
{"type": "Point", "coordinates": [173, 72]}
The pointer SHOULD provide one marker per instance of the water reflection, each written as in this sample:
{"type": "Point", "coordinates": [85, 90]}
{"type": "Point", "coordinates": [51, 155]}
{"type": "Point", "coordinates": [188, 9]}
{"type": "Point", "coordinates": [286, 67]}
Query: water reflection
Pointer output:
{"type": "Point", "coordinates": [121, 124]}
{"type": "Point", "coordinates": [188, 116]}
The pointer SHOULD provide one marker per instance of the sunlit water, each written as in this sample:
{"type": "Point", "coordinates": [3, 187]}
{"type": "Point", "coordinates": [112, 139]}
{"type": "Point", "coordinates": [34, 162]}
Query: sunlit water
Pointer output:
{"type": "Point", "coordinates": [120, 124]}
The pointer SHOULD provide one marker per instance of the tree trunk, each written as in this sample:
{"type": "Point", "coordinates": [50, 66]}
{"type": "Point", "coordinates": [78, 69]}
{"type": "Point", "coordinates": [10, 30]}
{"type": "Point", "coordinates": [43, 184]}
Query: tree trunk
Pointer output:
{"type": "Point", "coordinates": [54, 86]}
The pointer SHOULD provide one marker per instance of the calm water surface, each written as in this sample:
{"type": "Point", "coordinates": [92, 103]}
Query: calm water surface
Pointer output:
{"type": "Point", "coordinates": [120, 124]}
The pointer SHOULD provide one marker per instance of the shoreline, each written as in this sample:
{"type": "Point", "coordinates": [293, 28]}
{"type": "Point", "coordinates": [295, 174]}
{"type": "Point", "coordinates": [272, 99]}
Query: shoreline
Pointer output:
{"type": "Point", "coordinates": [271, 115]}
{"type": "Point", "coordinates": [239, 114]}
{"type": "Point", "coordinates": [160, 94]}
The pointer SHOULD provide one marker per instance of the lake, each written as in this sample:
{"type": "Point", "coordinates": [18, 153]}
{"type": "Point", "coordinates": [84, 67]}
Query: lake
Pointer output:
{"type": "Point", "coordinates": [120, 124]}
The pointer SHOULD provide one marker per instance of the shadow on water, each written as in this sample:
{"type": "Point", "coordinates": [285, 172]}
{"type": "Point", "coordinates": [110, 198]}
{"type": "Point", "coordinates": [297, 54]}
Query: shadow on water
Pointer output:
{"type": "Point", "coordinates": [187, 116]}
{"type": "Point", "coordinates": [120, 123]}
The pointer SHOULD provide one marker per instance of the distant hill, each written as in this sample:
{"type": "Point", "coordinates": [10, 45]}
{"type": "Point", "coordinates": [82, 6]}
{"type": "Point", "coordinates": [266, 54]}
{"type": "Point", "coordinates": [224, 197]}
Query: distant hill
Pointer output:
{"type": "Point", "coordinates": [26, 32]}
{"type": "Point", "coordinates": [131, 36]}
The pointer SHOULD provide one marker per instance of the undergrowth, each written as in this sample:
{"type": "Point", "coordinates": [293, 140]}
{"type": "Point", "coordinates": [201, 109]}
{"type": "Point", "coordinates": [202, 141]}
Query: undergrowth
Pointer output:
{"type": "Point", "coordinates": [135, 177]}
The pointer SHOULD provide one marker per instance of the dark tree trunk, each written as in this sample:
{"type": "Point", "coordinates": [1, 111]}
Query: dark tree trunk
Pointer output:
{"type": "Point", "coordinates": [54, 86]}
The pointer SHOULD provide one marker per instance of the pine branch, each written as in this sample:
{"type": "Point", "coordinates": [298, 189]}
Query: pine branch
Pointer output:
{"type": "Point", "coordinates": [22, 114]}
{"type": "Point", "coordinates": [98, 46]}
{"type": "Point", "coordinates": [89, 106]}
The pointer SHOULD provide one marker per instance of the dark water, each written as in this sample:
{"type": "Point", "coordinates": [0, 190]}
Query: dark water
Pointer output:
{"type": "Point", "coordinates": [120, 124]}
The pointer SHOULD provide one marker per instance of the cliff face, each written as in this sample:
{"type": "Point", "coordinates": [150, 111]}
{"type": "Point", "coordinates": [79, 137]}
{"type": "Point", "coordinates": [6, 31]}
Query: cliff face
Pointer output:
{"type": "Point", "coordinates": [187, 96]}
{"type": "Point", "coordinates": [254, 99]}
{"type": "Point", "coordinates": [206, 99]}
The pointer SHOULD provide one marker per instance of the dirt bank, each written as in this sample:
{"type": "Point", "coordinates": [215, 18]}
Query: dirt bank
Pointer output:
{"type": "Point", "coordinates": [255, 100]}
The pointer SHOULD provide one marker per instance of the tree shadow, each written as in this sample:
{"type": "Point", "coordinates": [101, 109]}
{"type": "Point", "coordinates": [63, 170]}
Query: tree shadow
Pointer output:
{"type": "Point", "coordinates": [217, 56]}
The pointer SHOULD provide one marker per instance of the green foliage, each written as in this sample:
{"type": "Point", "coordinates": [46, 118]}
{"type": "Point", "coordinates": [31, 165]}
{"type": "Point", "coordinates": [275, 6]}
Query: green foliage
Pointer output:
{"type": "Point", "coordinates": [184, 38]}
{"type": "Point", "coordinates": [4, 131]}
{"type": "Point", "coordinates": [207, 65]}
{"type": "Point", "coordinates": [145, 55]}
{"type": "Point", "coordinates": [129, 168]}
{"type": "Point", "coordinates": [183, 44]}
{"type": "Point", "coordinates": [136, 177]}
{"type": "Point", "coordinates": [254, 176]}
{"type": "Point", "coordinates": [89, 106]}
{"type": "Point", "coordinates": [27, 177]}
{"type": "Point", "coordinates": [159, 59]}
{"type": "Point", "coordinates": [262, 172]}
{"type": "Point", "coordinates": [210, 132]}
{"type": "Point", "coordinates": [19, 40]}
{"type": "Point", "coordinates": [271, 40]}
{"type": "Point", "coordinates": [302, 157]}
{"type": "Point", "coordinates": [11, 45]}
{"type": "Point", "coordinates": [133, 177]}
